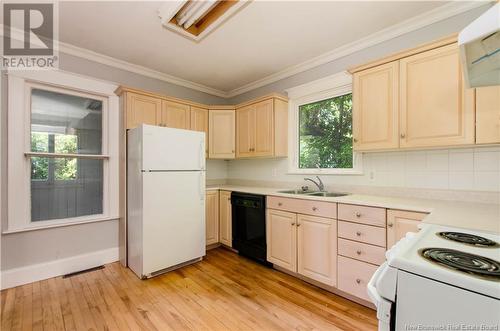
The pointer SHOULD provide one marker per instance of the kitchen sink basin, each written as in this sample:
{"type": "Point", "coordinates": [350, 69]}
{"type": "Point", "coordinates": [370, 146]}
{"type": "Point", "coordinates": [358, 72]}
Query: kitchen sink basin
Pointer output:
{"type": "Point", "coordinates": [315, 193]}
{"type": "Point", "coordinates": [295, 192]}
{"type": "Point", "coordinates": [328, 194]}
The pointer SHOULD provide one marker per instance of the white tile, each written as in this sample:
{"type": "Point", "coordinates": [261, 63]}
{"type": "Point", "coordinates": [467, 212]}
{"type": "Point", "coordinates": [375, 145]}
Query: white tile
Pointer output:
{"type": "Point", "coordinates": [487, 181]}
{"type": "Point", "coordinates": [463, 180]}
{"type": "Point", "coordinates": [416, 161]}
{"type": "Point", "coordinates": [396, 161]}
{"type": "Point", "coordinates": [461, 161]}
{"type": "Point", "coordinates": [437, 180]}
{"type": "Point", "coordinates": [378, 162]}
{"type": "Point", "coordinates": [486, 160]}
{"type": "Point", "coordinates": [437, 161]}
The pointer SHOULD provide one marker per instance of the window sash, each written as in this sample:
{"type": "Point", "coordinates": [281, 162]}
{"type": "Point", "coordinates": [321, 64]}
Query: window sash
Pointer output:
{"type": "Point", "coordinates": [322, 93]}
{"type": "Point", "coordinates": [19, 142]}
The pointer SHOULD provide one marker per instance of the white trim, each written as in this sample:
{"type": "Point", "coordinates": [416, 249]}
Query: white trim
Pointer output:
{"type": "Point", "coordinates": [36, 272]}
{"type": "Point", "coordinates": [321, 89]}
{"type": "Point", "coordinates": [18, 200]}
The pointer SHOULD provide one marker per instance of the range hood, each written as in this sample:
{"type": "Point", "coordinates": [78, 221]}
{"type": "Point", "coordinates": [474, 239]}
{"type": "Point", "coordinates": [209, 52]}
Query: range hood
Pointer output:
{"type": "Point", "coordinates": [479, 44]}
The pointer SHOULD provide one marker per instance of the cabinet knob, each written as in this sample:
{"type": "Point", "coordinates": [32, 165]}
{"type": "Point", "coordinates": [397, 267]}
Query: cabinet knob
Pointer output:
{"type": "Point", "coordinates": [389, 225]}
{"type": "Point", "coordinates": [358, 214]}
{"type": "Point", "coordinates": [280, 204]}
{"type": "Point", "coordinates": [355, 140]}
{"type": "Point", "coordinates": [358, 233]}
{"type": "Point", "coordinates": [298, 224]}
{"type": "Point", "coordinates": [232, 151]}
{"type": "Point", "coordinates": [314, 208]}
{"type": "Point", "coordinates": [403, 135]}
{"type": "Point", "coordinates": [358, 252]}
{"type": "Point", "coordinates": [293, 223]}
{"type": "Point", "coordinates": [358, 281]}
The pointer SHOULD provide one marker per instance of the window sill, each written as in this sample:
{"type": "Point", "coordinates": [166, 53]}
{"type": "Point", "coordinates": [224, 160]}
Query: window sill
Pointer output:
{"type": "Point", "coordinates": [341, 172]}
{"type": "Point", "coordinates": [60, 224]}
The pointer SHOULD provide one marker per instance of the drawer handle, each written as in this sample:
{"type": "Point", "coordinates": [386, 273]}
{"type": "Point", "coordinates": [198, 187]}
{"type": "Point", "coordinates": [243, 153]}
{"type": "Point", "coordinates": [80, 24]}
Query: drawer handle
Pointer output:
{"type": "Point", "coordinates": [314, 208]}
{"type": "Point", "coordinates": [293, 223]}
{"type": "Point", "coordinates": [280, 204]}
{"type": "Point", "coordinates": [389, 225]}
{"type": "Point", "coordinates": [358, 280]}
{"type": "Point", "coordinates": [358, 252]}
{"type": "Point", "coordinates": [358, 233]}
{"type": "Point", "coordinates": [358, 214]}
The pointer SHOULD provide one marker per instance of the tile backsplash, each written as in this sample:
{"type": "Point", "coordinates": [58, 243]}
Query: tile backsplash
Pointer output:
{"type": "Point", "coordinates": [470, 169]}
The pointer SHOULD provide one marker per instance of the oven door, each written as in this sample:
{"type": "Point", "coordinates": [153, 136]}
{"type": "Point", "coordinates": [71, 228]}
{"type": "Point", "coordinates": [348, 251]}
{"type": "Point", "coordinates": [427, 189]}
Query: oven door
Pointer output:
{"type": "Point", "coordinates": [382, 292]}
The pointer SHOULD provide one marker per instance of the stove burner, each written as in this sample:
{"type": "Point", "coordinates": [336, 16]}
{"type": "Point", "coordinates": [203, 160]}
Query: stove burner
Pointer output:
{"type": "Point", "coordinates": [468, 239]}
{"type": "Point", "coordinates": [465, 262]}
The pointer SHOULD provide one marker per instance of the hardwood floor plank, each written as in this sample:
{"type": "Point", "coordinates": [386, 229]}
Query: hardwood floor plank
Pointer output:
{"type": "Point", "coordinates": [222, 292]}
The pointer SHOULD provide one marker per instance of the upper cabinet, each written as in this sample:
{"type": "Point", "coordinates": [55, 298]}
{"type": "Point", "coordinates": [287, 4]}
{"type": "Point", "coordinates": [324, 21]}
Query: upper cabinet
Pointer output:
{"type": "Point", "coordinates": [221, 128]}
{"type": "Point", "coordinates": [257, 128]}
{"type": "Point", "coordinates": [376, 108]}
{"type": "Point", "coordinates": [175, 115]}
{"type": "Point", "coordinates": [199, 122]}
{"type": "Point", "coordinates": [488, 115]}
{"type": "Point", "coordinates": [261, 128]}
{"type": "Point", "coordinates": [141, 109]}
{"type": "Point", "coordinates": [436, 110]}
{"type": "Point", "coordinates": [417, 99]}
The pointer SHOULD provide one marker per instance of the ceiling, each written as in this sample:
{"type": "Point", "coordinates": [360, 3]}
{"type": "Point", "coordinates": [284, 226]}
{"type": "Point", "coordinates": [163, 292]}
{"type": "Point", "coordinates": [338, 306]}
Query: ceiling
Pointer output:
{"type": "Point", "coordinates": [261, 39]}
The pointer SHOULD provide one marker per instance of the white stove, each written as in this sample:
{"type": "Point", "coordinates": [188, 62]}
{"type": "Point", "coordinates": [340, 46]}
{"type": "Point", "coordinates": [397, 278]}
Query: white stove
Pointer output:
{"type": "Point", "coordinates": [441, 278]}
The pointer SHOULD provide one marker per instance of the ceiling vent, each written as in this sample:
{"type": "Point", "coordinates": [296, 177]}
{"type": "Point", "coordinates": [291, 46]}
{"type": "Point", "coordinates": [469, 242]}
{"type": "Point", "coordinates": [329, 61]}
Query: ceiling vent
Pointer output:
{"type": "Point", "coordinates": [196, 19]}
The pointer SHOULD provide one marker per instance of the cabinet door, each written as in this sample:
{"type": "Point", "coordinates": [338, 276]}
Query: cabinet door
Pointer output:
{"type": "Point", "coordinates": [317, 248]}
{"type": "Point", "coordinates": [175, 115]}
{"type": "Point", "coordinates": [142, 109]}
{"type": "Point", "coordinates": [245, 131]}
{"type": "Point", "coordinates": [226, 234]}
{"type": "Point", "coordinates": [399, 222]}
{"type": "Point", "coordinates": [264, 129]}
{"type": "Point", "coordinates": [376, 107]}
{"type": "Point", "coordinates": [199, 122]}
{"type": "Point", "coordinates": [212, 217]}
{"type": "Point", "coordinates": [281, 233]}
{"type": "Point", "coordinates": [436, 110]}
{"type": "Point", "coordinates": [221, 134]}
{"type": "Point", "coordinates": [488, 115]}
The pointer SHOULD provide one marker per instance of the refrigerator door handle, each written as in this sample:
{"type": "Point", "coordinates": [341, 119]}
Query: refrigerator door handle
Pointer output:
{"type": "Point", "coordinates": [201, 186]}
{"type": "Point", "coordinates": [202, 154]}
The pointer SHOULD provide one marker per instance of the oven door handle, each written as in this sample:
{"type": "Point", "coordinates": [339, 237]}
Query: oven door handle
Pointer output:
{"type": "Point", "coordinates": [383, 305]}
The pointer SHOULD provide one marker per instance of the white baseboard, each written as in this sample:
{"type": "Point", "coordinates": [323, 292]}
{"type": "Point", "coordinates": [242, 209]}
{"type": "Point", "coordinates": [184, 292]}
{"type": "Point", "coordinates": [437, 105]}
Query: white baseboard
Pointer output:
{"type": "Point", "coordinates": [25, 275]}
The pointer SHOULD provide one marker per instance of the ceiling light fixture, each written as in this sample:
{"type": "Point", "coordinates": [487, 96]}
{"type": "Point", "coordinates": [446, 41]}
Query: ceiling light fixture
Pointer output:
{"type": "Point", "coordinates": [195, 19]}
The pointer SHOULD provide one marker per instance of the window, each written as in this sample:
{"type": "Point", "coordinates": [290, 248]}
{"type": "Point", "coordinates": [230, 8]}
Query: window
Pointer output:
{"type": "Point", "coordinates": [63, 150]}
{"type": "Point", "coordinates": [321, 128]}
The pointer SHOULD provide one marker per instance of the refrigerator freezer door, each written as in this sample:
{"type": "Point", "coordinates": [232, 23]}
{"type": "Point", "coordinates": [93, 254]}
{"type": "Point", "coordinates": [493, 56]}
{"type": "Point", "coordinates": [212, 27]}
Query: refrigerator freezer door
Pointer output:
{"type": "Point", "coordinates": [173, 219]}
{"type": "Point", "coordinates": [172, 149]}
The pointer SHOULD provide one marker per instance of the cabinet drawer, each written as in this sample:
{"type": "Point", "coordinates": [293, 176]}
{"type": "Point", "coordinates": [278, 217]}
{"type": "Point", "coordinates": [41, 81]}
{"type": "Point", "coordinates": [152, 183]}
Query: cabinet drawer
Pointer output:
{"type": "Point", "coordinates": [308, 207]}
{"type": "Point", "coordinates": [363, 233]}
{"type": "Point", "coordinates": [362, 214]}
{"type": "Point", "coordinates": [353, 276]}
{"type": "Point", "coordinates": [360, 251]}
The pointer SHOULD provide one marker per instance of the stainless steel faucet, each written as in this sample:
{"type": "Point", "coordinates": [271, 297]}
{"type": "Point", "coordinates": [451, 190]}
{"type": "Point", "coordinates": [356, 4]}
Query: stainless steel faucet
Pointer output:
{"type": "Point", "coordinates": [319, 183]}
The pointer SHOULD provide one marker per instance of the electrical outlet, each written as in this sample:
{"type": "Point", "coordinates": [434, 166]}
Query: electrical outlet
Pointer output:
{"type": "Point", "coordinates": [372, 175]}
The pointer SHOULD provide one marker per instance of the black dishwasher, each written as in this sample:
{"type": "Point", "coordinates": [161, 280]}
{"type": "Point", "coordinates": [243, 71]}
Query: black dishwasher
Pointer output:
{"type": "Point", "coordinates": [249, 225]}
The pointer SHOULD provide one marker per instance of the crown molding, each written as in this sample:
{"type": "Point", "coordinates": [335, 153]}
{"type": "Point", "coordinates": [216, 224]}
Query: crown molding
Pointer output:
{"type": "Point", "coordinates": [438, 14]}
{"type": "Point", "coordinates": [412, 24]}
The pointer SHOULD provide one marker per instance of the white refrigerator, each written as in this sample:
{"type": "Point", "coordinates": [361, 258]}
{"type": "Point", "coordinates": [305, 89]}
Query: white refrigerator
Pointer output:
{"type": "Point", "coordinates": [165, 199]}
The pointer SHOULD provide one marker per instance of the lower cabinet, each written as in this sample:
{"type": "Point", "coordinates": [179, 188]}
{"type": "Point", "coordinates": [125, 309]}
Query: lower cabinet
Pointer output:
{"type": "Point", "coordinates": [400, 222]}
{"type": "Point", "coordinates": [354, 275]}
{"type": "Point", "coordinates": [225, 219]}
{"type": "Point", "coordinates": [212, 217]}
{"type": "Point", "coordinates": [303, 244]}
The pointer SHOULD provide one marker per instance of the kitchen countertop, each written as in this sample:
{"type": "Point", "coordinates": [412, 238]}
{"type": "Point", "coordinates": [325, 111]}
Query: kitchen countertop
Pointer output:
{"type": "Point", "coordinates": [474, 216]}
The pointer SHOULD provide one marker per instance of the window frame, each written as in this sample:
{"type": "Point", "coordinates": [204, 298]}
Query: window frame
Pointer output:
{"type": "Point", "coordinates": [325, 88]}
{"type": "Point", "coordinates": [19, 145]}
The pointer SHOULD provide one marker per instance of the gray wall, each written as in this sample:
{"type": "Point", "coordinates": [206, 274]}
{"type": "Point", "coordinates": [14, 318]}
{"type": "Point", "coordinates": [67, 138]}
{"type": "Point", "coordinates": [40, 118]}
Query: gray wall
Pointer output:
{"type": "Point", "coordinates": [23, 249]}
{"type": "Point", "coordinates": [409, 40]}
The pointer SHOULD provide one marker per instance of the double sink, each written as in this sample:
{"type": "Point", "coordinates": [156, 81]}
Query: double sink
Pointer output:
{"type": "Point", "coordinates": [315, 193]}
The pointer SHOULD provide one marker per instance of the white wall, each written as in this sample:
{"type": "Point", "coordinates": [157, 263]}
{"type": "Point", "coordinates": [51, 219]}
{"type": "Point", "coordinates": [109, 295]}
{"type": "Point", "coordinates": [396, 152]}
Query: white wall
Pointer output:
{"type": "Point", "coordinates": [471, 169]}
{"type": "Point", "coordinates": [216, 169]}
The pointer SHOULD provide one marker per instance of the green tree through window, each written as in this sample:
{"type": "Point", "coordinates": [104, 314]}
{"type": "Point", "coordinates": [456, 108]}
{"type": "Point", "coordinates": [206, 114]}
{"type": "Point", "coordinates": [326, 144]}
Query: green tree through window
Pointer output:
{"type": "Point", "coordinates": [325, 133]}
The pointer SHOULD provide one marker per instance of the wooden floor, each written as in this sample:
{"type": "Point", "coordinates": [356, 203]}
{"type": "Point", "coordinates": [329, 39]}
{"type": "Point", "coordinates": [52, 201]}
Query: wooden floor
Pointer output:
{"type": "Point", "coordinates": [223, 292]}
